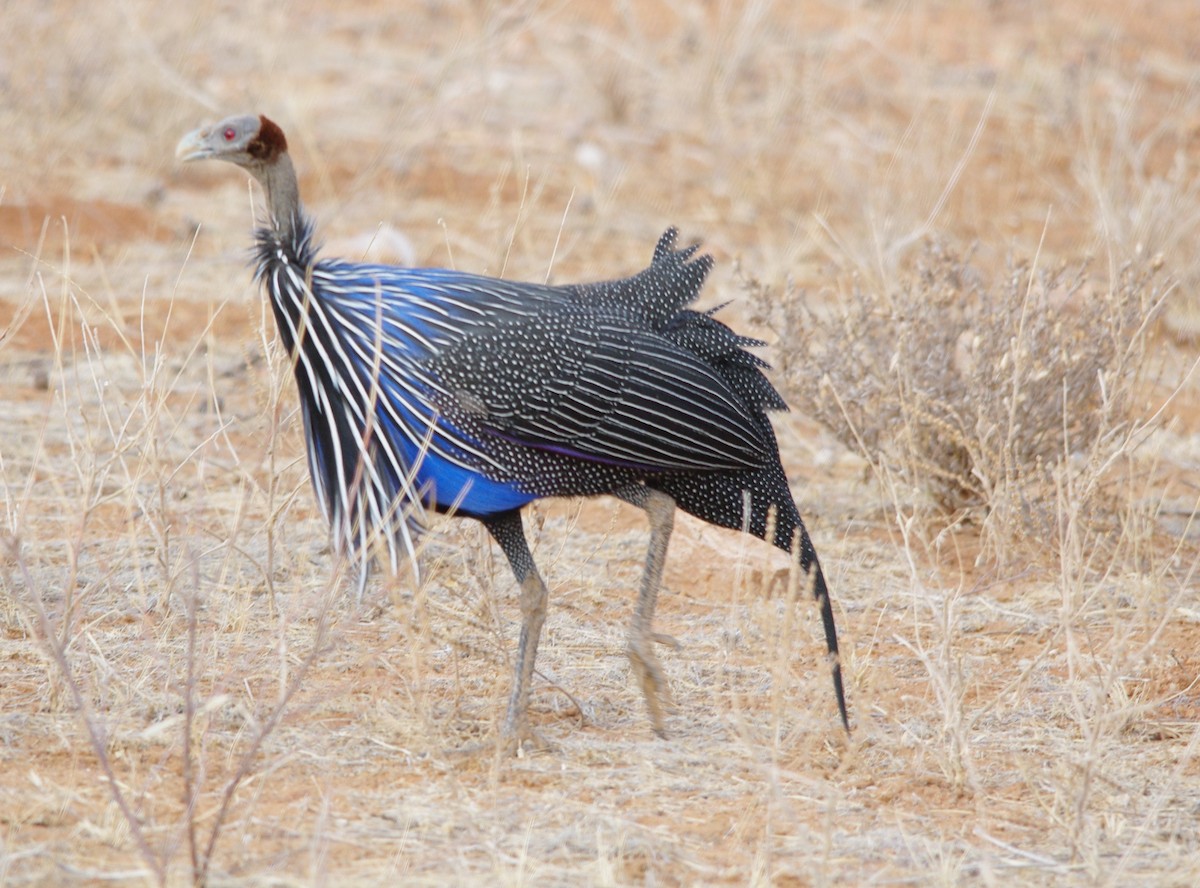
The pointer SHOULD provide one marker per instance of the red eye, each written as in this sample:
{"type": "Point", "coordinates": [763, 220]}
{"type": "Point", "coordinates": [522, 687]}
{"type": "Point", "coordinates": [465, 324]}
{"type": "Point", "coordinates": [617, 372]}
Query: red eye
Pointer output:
{"type": "Point", "coordinates": [230, 134]}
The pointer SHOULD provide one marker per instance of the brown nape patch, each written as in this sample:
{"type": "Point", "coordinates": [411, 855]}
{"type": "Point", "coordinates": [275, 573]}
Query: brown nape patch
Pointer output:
{"type": "Point", "coordinates": [270, 143]}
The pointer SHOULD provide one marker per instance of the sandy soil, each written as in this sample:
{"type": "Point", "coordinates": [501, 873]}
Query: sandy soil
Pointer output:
{"type": "Point", "coordinates": [167, 581]}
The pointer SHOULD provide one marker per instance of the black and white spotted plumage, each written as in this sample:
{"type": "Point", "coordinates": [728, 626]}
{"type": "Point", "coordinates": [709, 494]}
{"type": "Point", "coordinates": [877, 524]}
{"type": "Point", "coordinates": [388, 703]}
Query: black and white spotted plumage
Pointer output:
{"type": "Point", "coordinates": [432, 389]}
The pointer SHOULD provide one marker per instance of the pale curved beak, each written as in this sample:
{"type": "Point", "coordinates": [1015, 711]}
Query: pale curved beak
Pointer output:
{"type": "Point", "coordinates": [194, 146]}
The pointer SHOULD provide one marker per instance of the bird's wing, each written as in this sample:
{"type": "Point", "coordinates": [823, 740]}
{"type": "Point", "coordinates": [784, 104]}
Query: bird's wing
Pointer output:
{"type": "Point", "coordinates": [592, 387]}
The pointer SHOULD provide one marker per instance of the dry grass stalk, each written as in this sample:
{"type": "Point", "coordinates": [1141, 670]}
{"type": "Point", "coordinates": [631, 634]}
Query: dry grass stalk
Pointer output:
{"type": "Point", "coordinates": [1026, 726]}
{"type": "Point", "coordinates": [976, 394]}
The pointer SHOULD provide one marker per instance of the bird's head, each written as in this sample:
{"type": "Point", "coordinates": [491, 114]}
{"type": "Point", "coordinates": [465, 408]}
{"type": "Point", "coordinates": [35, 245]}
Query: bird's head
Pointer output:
{"type": "Point", "coordinates": [251, 141]}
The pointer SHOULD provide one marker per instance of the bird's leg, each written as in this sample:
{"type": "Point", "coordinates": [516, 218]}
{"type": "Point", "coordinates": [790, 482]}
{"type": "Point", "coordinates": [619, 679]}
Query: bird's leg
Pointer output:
{"type": "Point", "coordinates": [660, 509]}
{"type": "Point", "coordinates": [507, 530]}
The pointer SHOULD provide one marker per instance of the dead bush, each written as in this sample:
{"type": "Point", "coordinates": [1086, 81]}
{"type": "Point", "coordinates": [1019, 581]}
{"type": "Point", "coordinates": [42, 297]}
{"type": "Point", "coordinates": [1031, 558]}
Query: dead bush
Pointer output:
{"type": "Point", "coordinates": [975, 392]}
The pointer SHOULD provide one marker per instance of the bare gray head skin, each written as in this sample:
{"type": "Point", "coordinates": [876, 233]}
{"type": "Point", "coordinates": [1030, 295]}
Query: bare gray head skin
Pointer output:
{"type": "Point", "coordinates": [258, 146]}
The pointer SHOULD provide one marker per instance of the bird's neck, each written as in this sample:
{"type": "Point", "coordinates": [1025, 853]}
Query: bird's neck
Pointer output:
{"type": "Point", "coordinates": [278, 180]}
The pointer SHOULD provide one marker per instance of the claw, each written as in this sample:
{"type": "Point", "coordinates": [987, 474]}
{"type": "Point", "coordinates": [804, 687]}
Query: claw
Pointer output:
{"type": "Point", "coordinates": [669, 640]}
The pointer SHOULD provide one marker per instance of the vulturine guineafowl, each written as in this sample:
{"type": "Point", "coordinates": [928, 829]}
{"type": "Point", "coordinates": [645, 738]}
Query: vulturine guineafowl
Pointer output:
{"type": "Point", "coordinates": [429, 389]}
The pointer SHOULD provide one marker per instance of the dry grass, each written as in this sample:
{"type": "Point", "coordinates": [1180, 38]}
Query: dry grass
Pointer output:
{"type": "Point", "coordinates": [184, 688]}
{"type": "Point", "coordinates": [984, 397]}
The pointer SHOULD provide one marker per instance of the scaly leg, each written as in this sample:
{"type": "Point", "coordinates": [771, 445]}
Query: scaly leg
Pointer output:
{"type": "Point", "coordinates": [660, 509]}
{"type": "Point", "coordinates": [507, 530]}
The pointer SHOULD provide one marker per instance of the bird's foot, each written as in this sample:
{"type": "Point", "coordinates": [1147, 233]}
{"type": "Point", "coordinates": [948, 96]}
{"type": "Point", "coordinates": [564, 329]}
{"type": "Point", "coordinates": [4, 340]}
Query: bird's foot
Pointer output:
{"type": "Point", "coordinates": [517, 737]}
{"type": "Point", "coordinates": [650, 676]}
{"type": "Point", "coordinates": [515, 740]}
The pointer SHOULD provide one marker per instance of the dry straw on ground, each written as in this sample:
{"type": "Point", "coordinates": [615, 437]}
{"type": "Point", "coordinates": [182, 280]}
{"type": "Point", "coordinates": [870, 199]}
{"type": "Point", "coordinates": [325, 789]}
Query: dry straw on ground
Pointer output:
{"type": "Point", "coordinates": [967, 229]}
{"type": "Point", "coordinates": [984, 397]}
